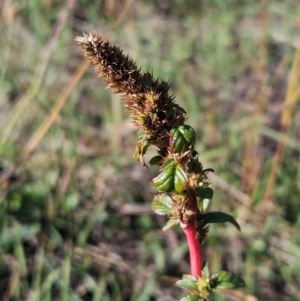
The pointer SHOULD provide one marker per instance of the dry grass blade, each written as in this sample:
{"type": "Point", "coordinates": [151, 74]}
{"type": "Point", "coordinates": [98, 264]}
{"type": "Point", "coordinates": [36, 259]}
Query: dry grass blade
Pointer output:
{"type": "Point", "coordinates": [14, 279]}
{"type": "Point", "coordinates": [107, 261]}
{"type": "Point", "coordinates": [50, 119]}
{"type": "Point", "coordinates": [122, 13]}
{"type": "Point", "coordinates": [292, 95]}
{"type": "Point", "coordinates": [252, 160]}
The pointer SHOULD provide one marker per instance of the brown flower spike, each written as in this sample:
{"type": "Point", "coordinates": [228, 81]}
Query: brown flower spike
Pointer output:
{"type": "Point", "coordinates": [152, 108]}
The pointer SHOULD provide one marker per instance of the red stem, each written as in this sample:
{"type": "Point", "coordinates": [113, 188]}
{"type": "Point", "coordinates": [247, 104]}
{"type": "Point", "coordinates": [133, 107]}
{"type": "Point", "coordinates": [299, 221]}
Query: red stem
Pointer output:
{"type": "Point", "coordinates": [194, 247]}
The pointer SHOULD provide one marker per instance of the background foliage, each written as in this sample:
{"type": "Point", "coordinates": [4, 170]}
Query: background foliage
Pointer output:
{"type": "Point", "coordinates": [75, 220]}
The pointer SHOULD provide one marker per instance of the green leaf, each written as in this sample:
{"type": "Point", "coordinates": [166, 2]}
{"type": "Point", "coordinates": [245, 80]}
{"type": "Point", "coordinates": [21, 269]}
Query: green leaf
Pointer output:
{"type": "Point", "coordinates": [172, 176]}
{"type": "Point", "coordinates": [183, 138]}
{"type": "Point", "coordinates": [190, 277]}
{"type": "Point", "coordinates": [188, 133]}
{"type": "Point", "coordinates": [203, 204]}
{"type": "Point", "coordinates": [162, 204]}
{"type": "Point", "coordinates": [165, 180]}
{"type": "Point", "coordinates": [225, 280]}
{"type": "Point", "coordinates": [205, 195]}
{"type": "Point", "coordinates": [219, 217]}
{"type": "Point", "coordinates": [156, 160]}
{"type": "Point", "coordinates": [171, 224]}
{"type": "Point", "coordinates": [204, 269]}
{"type": "Point", "coordinates": [191, 298]}
{"type": "Point", "coordinates": [141, 147]}
{"type": "Point", "coordinates": [70, 202]}
{"type": "Point", "coordinates": [168, 163]}
{"type": "Point", "coordinates": [188, 284]}
{"type": "Point", "coordinates": [180, 179]}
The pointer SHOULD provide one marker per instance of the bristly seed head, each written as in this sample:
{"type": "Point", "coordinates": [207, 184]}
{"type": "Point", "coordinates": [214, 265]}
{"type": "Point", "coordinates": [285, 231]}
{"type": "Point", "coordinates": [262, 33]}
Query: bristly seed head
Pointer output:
{"type": "Point", "coordinates": [152, 108]}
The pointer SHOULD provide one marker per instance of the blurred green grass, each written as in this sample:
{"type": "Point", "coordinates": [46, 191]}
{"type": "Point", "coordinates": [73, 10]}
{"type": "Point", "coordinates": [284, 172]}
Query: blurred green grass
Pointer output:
{"type": "Point", "coordinates": [75, 222]}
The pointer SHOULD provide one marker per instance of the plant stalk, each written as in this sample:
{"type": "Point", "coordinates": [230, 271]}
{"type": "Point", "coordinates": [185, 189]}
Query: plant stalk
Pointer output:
{"type": "Point", "coordinates": [195, 249]}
